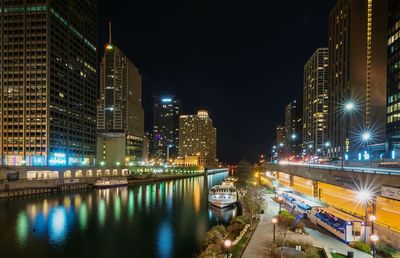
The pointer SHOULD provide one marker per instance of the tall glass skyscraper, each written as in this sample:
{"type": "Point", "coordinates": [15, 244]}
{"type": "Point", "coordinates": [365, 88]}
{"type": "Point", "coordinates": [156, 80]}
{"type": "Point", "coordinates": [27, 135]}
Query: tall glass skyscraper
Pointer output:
{"type": "Point", "coordinates": [166, 112]}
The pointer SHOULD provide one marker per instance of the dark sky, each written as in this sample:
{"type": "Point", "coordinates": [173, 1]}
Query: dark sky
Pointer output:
{"type": "Point", "coordinates": [241, 60]}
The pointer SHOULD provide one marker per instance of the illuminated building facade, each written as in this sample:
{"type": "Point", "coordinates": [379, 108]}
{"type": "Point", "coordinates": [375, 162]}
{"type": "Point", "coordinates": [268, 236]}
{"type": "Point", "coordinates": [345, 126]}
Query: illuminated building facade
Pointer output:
{"type": "Point", "coordinates": [357, 74]}
{"type": "Point", "coordinates": [197, 136]}
{"type": "Point", "coordinates": [166, 113]}
{"type": "Point", "coordinates": [393, 90]}
{"type": "Point", "coordinates": [280, 141]}
{"type": "Point", "coordinates": [315, 101]}
{"type": "Point", "coordinates": [119, 109]}
{"type": "Point", "coordinates": [48, 82]}
{"type": "Point", "coordinates": [293, 129]}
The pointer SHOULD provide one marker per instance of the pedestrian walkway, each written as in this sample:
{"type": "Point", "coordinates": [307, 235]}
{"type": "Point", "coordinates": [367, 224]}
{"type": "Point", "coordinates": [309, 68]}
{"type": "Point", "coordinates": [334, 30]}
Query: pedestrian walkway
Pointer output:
{"type": "Point", "coordinates": [262, 237]}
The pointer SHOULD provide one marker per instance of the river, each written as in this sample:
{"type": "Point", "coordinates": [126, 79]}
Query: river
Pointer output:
{"type": "Point", "coordinates": [164, 219]}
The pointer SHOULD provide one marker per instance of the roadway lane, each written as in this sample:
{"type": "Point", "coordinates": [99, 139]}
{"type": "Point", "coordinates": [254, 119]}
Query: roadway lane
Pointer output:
{"type": "Point", "coordinates": [372, 170]}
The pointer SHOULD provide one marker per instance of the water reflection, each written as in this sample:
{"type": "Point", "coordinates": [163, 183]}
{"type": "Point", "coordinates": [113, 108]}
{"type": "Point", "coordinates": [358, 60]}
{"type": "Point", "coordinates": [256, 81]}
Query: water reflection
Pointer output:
{"type": "Point", "coordinates": [156, 217]}
{"type": "Point", "coordinates": [83, 216]}
{"type": "Point", "coordinates": [164, 240]}
{"type": "Point", "coordinates": [58, 224]}
{"type": "Point", "coordinates": [102, 212]}
{"type": "Point", "coordinates": [22, 228]}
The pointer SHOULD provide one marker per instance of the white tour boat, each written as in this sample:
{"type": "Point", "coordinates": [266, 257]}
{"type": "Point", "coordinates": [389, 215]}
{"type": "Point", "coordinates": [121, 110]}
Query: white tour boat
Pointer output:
{"type": "Point", "coordinates": [224, 195]}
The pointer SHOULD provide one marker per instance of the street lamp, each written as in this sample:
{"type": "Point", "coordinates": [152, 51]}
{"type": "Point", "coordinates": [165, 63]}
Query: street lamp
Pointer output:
{"type": "Point", "coordinates": [348, 108]}
{"type": "Point", "coordinates": [364, 196]}
{"type": "Point", "coordinates": [366, 137]}
{"type": "Point", "coordinates": [274, 221]}
{"type": "Point", "coordinates": [280, 203]}
{"type": "Point", "coordinates": [372, 218]}
{"type": "Point", "coordinates": [227, 244]}
{"type": "Point", "coordinates": [374, 238]}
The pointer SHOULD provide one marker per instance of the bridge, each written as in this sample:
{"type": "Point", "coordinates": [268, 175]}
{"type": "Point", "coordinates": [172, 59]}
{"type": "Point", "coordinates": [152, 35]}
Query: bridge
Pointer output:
{"type": "Point", "coordinates": [342, 188]}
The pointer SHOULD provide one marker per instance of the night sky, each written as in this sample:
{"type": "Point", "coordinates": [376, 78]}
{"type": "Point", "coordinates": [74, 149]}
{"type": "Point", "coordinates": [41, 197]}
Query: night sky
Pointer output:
{"type": "Point", "coordinates": [240, 60]}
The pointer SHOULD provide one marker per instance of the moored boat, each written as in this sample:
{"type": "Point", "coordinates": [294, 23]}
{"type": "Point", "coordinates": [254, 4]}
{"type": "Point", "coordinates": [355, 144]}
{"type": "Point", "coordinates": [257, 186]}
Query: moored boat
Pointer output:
{"type": "Point", "coordinates": [223, 196]}
{"type": "Point", "coordinates": [111, 182]}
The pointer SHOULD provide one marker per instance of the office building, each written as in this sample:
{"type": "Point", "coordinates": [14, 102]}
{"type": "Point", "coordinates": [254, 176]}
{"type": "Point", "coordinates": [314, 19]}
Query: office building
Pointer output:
{"type": "Point", "coordinates": [393, 81]}
{"type": "Point", "coordinates": [120, 115]}
{"type": "Point", "coordinates": [293, 129]}
{"type": "Point", "coordinates": [48, 82]}
{"type": "Point", "coordinates": [357, 77]}
{"type": "Point", "coordinates": [197, 136]}
{"type": "Point", "coordinates": [315, 102]}
{"type": "Point", "coordinates": [166, 113]}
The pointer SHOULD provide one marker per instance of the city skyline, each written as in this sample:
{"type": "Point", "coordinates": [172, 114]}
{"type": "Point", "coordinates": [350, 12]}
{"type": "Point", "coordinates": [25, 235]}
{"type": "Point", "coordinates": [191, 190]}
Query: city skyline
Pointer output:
{"type": "Point", "coordinates": [199, 69]}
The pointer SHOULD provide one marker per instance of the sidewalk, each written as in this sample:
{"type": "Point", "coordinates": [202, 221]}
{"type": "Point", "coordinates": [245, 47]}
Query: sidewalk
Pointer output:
{"type": "Point", "coordinates": [257, 247]}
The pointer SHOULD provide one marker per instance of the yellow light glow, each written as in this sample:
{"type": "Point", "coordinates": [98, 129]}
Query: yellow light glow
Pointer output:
{"type": "Point", "coordinates": [109, 46]}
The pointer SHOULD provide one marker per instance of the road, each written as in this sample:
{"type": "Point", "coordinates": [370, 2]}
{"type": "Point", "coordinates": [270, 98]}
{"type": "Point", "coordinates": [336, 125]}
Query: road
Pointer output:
{"type": "Point", "coordinates": [350, 168]}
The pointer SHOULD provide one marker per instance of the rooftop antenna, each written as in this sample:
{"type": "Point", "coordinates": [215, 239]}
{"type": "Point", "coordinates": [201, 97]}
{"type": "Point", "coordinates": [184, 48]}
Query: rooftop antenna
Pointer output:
{"type": "Point", "coordinates": [109, 33]}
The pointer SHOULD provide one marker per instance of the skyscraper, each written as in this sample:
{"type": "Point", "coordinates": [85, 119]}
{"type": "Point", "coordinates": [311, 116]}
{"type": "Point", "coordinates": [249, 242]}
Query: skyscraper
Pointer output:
{"type": "Point", "coordinates": [393, 90]}
{"type": "Point", "coordinates": [166, 112]}
{"type": "Point", "coordinates": [197, 136]}
{"type": "Point", "coordinates": [357, 76]}
{"type": "Point", "coordinates": [48, 82]}
{"type": "Point", "coordinates": [315, 101]}
{"type": "Point", "coordinates": [120, 115]}
{"type": "Point", "coordinates": [293, 129]}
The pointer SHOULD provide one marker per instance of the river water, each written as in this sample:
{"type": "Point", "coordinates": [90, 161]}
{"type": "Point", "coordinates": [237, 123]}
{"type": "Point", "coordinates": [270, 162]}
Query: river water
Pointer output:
{"type": "Point", "coordinates": [165, 219]}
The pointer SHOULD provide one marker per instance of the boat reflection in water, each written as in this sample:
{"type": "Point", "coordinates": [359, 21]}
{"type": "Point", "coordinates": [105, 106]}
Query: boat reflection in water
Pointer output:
{"type": "Point", "coordinates": [223, 216]}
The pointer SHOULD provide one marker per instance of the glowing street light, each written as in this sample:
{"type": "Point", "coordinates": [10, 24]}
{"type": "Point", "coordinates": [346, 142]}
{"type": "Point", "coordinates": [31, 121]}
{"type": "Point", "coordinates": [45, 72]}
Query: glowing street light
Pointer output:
{"type": "Point", "coordinates": [349, 106]}
{"type": "Point", "coordinates": [366, 136]}
{"type": "Point", "coordinates": [327, 144]}
{"type": "Point", "coordinates": [274, 221]}
{"type": "Point", "coordinates": [364, 195]}
{"type": "Point", "coordinates": [293, 136]}
{"type": "Point", "coordinates": [227, 244]}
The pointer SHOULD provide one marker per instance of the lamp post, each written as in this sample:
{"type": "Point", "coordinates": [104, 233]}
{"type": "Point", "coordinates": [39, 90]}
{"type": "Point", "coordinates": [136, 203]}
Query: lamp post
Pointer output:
{"type": "Point", "coordinates": [227, 244]}
{"type": "Point", "coordinates": [372, 218]}
{"type": "Point", "coordinates": [366, 137]}
{"type": "Point", "coordinates": [348, 108]}
{"type": "Point", "coordinates": [374, 238]}
{"type": "Point", "coordinates": [326, 145]}
{"type": "Point", "coordinates": [280, 203]}
{"type": "Point", "coordinates": [365, 196]}
{"type": "Point", "coordinates": [274, 221]}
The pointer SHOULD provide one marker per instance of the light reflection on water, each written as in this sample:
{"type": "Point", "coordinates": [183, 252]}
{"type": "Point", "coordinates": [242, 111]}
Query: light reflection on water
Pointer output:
{"type": "Point", "coordinates": [58, 224]}
{"type": "Point", "coordinates": [166, 219]}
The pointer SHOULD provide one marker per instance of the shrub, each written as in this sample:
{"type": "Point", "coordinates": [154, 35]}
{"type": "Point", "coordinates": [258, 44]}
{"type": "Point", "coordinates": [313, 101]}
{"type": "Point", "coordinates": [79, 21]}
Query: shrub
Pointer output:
{"type": "Point", "coordinates": [285, 220]}
{"type": "Point", "coordinates": [387, 251]}
{"type": "Point", "coordinates": [240, 219]}
{"type": "Point", "coordinates": [235, 228]}
{"type": "Point", "coordinates": [361, 246]}
{"type": "Point", "coordinates": [211, 253]}
{"type": "Point", "coordinates": [215, 235]}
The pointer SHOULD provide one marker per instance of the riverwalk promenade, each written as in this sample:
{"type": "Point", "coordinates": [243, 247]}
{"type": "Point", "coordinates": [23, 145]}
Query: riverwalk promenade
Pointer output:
{"type": "Point", "coordinates": [262, 237]}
